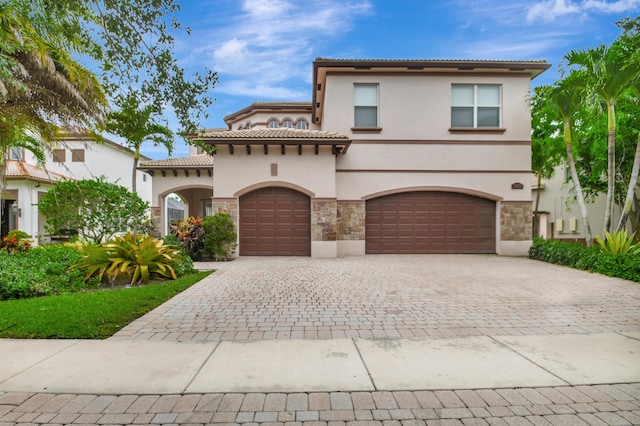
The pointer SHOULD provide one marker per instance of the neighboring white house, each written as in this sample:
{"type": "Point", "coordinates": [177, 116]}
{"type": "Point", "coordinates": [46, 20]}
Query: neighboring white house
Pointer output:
{"type": "Point", "coordinates": [559, 213]}
{"type": "Point", "coordinates": [76, 156]}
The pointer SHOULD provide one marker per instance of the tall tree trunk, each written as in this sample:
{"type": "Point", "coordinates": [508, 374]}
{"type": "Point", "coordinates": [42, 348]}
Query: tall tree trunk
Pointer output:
{"type": "Point", "coordinates": [536, 217]}
{"type": "Point", "coordinates": [576, 184]}
{"type": "Point", "coordinates": [136, 157]}
{"type": "Point", "coordinates": [633, 182]}
{"type": "Point", "coordinates": [611, 160]}
{"type": "Point", "coordinates": [3, 172]}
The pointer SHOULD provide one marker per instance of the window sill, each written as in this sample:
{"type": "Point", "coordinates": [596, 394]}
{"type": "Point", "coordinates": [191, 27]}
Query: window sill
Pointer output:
{"type": "Point", "coordinates": [366, 129]}
{"type": "Point", "coordinates": [494, 130]}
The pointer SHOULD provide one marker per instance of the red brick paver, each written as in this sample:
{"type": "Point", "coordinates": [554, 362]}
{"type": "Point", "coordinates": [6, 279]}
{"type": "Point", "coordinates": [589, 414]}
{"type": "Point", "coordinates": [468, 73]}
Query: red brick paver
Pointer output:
{"type": "Point", "coordinates": [331, 409]}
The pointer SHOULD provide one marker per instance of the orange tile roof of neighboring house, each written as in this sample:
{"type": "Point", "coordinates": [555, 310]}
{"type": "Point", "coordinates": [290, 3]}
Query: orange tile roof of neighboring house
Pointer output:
{"type": "Point", "coordinates": [194, 161]}
{"type": "Point", "coordinates": [21, 170]}
{"type": "Point", "coordinates": [271, 134]}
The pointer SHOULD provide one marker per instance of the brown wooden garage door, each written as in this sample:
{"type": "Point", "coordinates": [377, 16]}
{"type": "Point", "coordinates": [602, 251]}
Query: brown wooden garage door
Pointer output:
{"type": "Point", "coordinates": [430, 222]}
{"type": "Point", "coordinates": [275, 222]}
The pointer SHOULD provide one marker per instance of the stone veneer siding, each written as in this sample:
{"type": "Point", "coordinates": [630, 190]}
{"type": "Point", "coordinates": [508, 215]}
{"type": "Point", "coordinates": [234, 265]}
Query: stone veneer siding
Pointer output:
{"type": "Point", "coordinates": [323, 219]}
{"type": "Point", "coordinates": [516, 220]}
{"type": "Point", "coordinates": [351, 220]}
{"type": "Point", "coordinates": [156, 219]}
{"type": "Point", "coordinates": [228, 205]}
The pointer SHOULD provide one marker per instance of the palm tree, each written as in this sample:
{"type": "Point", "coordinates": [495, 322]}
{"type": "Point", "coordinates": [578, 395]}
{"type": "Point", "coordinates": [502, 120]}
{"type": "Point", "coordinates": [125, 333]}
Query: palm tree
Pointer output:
{"type": "Point", "coordinates": [41, 87]}
{"type": "Point", "coordinates": [566, 96]}
{"type": "Point", "coordinates": [633, 180]}
{"type": "Point", "coordinates": [135, 123]}
{"type": "Point", "coordinates": [546, 148]}
{"type": "Point", "coordinates": [607, 76]}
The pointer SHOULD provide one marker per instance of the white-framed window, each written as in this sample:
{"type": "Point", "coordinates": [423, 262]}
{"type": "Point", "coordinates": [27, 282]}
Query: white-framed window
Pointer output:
{"type": "Point", "coordinates": [273, 124]}
{"type": "Point", "coordinates": [475, 105]}
{"type": "Point", "coordinates": [207, 208]}
{"type": "Point", "coordinates": [16, 153]}
{"type": "Point", "coordinates": [288, 124]}
{"type": "Point", "coordinates": [301, 124]}
{"type": "Point", "coordinates": [365, 101]}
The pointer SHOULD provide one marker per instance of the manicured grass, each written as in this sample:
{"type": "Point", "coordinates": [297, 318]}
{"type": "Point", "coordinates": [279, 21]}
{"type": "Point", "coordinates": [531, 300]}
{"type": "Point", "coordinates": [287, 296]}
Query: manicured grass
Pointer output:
{"type": "Point", "coordinates": [92, 315]}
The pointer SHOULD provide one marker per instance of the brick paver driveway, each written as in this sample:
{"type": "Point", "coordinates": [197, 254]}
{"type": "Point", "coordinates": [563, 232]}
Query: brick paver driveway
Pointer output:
{"type": "Point", "coordinates": [391, 296]}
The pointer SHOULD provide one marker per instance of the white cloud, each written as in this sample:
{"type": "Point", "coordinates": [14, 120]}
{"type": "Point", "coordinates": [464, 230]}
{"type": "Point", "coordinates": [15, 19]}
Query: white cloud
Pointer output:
{"type": "Point", "coordinates": [549, 10]}
{"type": "Point", "coordinates": [270, 43]}
{"type": "Point", "coordinates": [261, 90]}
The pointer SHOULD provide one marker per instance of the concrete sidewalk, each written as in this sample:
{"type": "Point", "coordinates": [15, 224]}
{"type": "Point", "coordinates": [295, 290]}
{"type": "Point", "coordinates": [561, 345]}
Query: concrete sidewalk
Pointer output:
{"type": "Point", "coordinates": [432, 363]}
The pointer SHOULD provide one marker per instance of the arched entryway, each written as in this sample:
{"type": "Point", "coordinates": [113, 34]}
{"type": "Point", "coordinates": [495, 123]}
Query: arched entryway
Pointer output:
{"type": "Point", "coordinates": [275, 221]}
{"type": "Point", "coordinates": [430, 222]}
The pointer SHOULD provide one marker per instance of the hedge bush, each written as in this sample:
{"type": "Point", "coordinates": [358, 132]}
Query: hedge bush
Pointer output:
{"type": "Point", "coordinates": [593, 259]}
{"type": "Point", "coordinates": [41, 271]}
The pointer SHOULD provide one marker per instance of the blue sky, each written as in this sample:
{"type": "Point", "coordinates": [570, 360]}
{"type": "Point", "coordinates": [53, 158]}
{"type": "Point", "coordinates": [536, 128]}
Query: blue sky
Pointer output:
{"type": "Point", "coordinates": [263, 49]}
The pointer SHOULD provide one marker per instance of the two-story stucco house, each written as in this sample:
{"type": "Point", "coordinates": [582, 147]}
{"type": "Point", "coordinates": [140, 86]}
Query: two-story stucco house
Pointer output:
{"type": "Point", "coordinates": [391, 156]}
{"type": "Point", "coordinates": [75, 156]}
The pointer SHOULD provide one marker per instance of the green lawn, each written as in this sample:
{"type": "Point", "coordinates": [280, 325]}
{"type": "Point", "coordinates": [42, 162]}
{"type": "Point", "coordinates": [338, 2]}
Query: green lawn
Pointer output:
{"type": "Point", "coordinates": [92, 315]}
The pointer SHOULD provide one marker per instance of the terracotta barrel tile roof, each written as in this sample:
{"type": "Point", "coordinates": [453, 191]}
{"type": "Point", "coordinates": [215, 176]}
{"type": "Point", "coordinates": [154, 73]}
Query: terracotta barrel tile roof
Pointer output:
{"type": "Point", "coordinates": [20, 169]}
{"type": "Point", "coordinates": [195, 161]}
{"type": "Point", "coordinates": [271, 134]}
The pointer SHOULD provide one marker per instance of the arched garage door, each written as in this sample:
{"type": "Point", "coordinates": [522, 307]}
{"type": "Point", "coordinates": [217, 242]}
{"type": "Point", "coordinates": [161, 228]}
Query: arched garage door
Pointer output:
{"type": "Point", "coordinates": [430, 222]}
{"type": "Point", "coordinates": [275, 221]}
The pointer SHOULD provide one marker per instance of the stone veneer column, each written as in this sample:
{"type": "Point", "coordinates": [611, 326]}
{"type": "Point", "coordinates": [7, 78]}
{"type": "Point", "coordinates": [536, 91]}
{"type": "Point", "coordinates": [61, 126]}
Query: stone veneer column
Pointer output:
{"type": "Point", "coordinates": [226, 205]}
{"type": "Point", "coordinates": [516, 220]}
{"type": "Point", "coordinates": [351, 220]}
{"type": "Point", "coordinates": [516, 226]}
{"type": "Point", "coordinates": [156, 220]}
{"type": "Point", "coordinates": [323, 219]}
{"type": "Point", "coordinates": [351, 227]}
{"type": "Point", "coordinates": [323, 228]}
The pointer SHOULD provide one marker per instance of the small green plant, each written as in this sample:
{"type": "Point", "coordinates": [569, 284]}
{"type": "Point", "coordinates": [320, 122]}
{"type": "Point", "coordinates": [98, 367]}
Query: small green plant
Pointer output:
{"type": "Point", "coordinates": [219, 236]}
{"type": "Point", "coordinates": [133, 258]}
{"type": "Point", "coordinates": [618, 243]}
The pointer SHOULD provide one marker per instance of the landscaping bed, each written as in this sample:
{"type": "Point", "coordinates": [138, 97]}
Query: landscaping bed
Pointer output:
{"type": "Point", "coordinates": [593, 259]}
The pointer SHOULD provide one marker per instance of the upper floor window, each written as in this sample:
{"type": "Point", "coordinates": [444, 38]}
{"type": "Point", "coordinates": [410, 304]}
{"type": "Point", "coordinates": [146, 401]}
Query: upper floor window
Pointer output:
{"type": "Point", "coordinates": [59, 155]}
{"type": "Point", "coordinates": [77, 155]}
{"type": "Point", "coordinates": [301, 124]}
{"type": "Point", "coordinates": [273, 124]}
{"type": "Point", "coordinates": [288, 124]}
{"type": "Point", "coordinates": [475, 105]}
{"type": "Point", "coordinates": [365, 105]}
{"type": "Point", "coordinates": [16, 153]}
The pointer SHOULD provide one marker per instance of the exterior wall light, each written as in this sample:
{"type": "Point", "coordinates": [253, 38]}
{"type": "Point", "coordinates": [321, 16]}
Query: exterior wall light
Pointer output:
{"type": "Point", "coordinates": [16, 210]}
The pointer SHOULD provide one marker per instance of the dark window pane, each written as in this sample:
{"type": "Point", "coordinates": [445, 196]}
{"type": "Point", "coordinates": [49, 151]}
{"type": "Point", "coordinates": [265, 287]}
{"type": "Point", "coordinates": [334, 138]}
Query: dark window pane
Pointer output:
{"type": "Point", "coordinates": [488, 117]}
{"type": "Point", "coordinates": [462, 117]}
{"type": "Point", "coordinates": [366, 116]}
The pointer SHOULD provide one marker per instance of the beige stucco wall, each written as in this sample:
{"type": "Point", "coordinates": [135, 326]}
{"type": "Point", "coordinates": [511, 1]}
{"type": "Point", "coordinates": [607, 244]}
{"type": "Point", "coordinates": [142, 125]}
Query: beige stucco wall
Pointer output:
{"type": "Point", "coordinates": [238, 172]}
{"type": "Point", "coordinates": [355, 186]}
{"type": "Point", "coordinates": [439, 157]}
{"type": "Point", "coordinates": [419, 106]}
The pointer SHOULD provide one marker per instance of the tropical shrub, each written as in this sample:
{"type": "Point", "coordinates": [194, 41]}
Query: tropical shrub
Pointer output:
{"type": "Point", "coordinates": [191, 236]}
{"type": "Point", "coordinates": [96, 209]}
{"type": "Point", "coordinates": [133, 258]}
{"type": "Point", "coordinates": [41, 271]}
{"type": "Point", "coordinates": [16, 241]}
{"type": "Point", "coordinates": [593, 259]}
{"type": "Point", "coordinates": [220, 238]}
{"type": "Point", "coordinates": [618, 243]}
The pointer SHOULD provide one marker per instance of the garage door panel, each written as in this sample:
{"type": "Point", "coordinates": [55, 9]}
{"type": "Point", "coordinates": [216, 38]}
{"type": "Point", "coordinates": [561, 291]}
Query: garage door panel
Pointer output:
{"type": "Point", "coordinates": [430, 222]}
{"type": "Point", "coordinates": [275, 222]}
